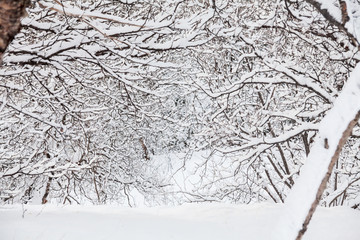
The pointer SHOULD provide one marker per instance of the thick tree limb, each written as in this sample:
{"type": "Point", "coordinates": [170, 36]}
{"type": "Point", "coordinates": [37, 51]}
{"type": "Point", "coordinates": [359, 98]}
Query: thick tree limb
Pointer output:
{"type": "Point", "coordinates": [340, 23]}
{"type": "Point", "coordinates": [334, 130]}
{"type": "Point", "coordinates": [345, 136]}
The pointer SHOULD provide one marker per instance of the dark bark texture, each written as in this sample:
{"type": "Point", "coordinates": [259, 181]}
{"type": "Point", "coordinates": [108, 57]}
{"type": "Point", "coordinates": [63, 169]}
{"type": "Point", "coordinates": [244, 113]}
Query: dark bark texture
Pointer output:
{"type": "Point", "coordinates": [11, 12]}
{"type": "Point", "coordinates": [346, 134]}
{"type": "Point", "coordinates": [332, 20]}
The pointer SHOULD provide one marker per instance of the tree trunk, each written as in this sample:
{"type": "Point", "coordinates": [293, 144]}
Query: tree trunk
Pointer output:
{"type": "Point", "coordinates": [334, 130]}
{"type": "Point", "coordinates": [11, 12]}
{"type": "Point", "coordinates": [322, 187]}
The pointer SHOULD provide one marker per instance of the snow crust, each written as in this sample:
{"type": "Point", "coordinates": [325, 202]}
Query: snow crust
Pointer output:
{"type": "Point", "coordinates": [187, 222]}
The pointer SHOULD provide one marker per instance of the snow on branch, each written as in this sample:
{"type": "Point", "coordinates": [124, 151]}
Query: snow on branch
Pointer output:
{"type": "Point", "coordinates": [343, 14]}
{"type": "Point", "coordinates": [32, 115]}
{"type": "Point", "coordinates": [76, 12]}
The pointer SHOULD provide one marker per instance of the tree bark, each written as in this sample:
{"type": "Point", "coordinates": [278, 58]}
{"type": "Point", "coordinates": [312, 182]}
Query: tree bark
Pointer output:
{"type": "Point", "coordinates": [322, 187]}
{"type": "Point", "coordinates": [334, 130]}
{"type": "Point", "coordinates": [332, 20]}
{"type": "Point", "coordinates": [11, 12]}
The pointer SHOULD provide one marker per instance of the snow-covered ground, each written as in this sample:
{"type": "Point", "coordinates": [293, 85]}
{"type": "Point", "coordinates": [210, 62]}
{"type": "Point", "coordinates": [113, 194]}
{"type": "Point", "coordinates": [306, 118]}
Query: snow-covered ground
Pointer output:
{"type": "Point", "coordinates": [187, 222]}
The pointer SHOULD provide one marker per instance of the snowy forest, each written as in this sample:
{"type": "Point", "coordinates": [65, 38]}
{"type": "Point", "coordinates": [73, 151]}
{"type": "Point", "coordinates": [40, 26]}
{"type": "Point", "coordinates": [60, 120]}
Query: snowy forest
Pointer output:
{"type": "Point", "coordinates": [166, 102]}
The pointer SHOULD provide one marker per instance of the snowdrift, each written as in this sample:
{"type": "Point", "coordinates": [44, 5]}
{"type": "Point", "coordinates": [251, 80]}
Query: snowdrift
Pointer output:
{"type": "Point", "coordinates": [187, 222]}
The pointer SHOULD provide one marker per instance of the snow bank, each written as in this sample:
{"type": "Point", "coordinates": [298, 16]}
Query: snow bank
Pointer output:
{"type": "Point", "coordinates": [188, 222]}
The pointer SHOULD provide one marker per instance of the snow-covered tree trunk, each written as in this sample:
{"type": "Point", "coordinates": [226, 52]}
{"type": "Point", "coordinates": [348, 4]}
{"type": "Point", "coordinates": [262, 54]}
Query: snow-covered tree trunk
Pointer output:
{"type": "Point", "coordinates": [11, 12]}
{"type": "Point", "coordinates": [334, 130]}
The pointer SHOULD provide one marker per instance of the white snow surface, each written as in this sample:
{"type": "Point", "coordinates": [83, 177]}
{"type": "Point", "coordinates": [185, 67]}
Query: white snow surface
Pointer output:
{"type": "Point", "coordinates": [187, 222]}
